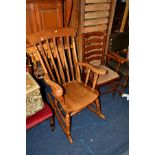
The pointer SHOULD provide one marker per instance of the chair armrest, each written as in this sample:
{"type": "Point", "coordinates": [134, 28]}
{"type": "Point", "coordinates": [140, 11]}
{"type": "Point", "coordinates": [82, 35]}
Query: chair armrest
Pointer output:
{"type": "Point", "coordinates": [94, 69]}
{"type": "Point", "coordinates": [94, 76]}
{"type": "Point", "coordinates": [117, 57]}
{"type": "Point", "coordinates": [57, 89]}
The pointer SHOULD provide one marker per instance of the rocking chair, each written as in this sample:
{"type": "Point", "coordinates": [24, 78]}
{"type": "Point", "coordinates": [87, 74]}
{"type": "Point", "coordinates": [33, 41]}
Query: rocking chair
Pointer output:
{"type": "Point", "coordinates": [56, 51]}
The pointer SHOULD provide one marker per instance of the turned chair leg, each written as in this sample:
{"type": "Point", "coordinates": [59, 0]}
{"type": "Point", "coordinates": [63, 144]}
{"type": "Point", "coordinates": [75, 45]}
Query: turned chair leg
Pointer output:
{"type": "Point", "coordinates": [67, 119]}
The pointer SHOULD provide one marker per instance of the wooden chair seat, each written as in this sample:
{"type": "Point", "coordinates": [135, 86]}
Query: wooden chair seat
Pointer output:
{"type": "Point", "coordinates": [110, 76]}
{"type": "Point", "coordinates": [78, 96]}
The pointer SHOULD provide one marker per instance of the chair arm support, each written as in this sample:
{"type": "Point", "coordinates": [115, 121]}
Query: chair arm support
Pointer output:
{"type": "Point", "coordinates": [57, 89]}
{"type": "Point", "coordinates": [94, 69]}
{"type": "Point", "coordinates": [117, 57]}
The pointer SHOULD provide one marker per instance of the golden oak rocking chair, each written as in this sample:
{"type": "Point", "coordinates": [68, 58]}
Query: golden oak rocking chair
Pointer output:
{"type": "Point", "coordinates": [56, 51]}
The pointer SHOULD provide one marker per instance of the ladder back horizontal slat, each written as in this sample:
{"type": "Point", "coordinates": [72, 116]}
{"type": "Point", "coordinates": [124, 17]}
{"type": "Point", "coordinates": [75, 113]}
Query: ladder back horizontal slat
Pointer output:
{"type": "Point", "coordinates": [93, 34]}
{"type": "Point", "coordinates": [93, 40]}
{"type": "Point", "coordinates": [92, 47]}
{"type": "Point", "coordinates": [96, 57]}
{"type": "Point", "coordinates": [97, 52]}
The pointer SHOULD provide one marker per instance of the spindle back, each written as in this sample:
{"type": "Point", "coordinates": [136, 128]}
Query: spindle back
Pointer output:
{"type": "Point", "coordinates": [57, 53]}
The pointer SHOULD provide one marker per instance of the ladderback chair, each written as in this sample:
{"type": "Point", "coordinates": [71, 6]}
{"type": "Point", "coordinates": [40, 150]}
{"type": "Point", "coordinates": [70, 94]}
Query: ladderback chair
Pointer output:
{"type": "Point", "coordinates": [93, 53]}
{"type": "Point", "coordinates": [56, 51]}
{"type": "Point", "coordinates": [118, 48]}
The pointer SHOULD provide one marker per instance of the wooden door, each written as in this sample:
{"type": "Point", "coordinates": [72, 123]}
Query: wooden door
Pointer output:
{"type": "Point", "coordinates": [30, 19]}
{"type": "Point", "coordinates": [48, 15]}
{"type": "Point", "coordinates": [43, 14]}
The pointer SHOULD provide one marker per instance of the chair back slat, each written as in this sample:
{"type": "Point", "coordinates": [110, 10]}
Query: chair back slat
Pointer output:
{"type": "Point", "coordinates": [60, 66]}
{"type": "Point", "coordinates": [52, 61]}
{"type": "Point", "coordinates": [93, 53]}
{"type": "Point", "coordinates": [41, 60]}
{"type": "Point", "coordinates": [44, 56]}
{"type": "Point", "coordinates": [78, 76]}
{"type": "Point", "coordinates": [70, 59]}
{"type": "Point", "coordinates": [64, 58]}
{"type": "Point", "coordinates": [92, 58]}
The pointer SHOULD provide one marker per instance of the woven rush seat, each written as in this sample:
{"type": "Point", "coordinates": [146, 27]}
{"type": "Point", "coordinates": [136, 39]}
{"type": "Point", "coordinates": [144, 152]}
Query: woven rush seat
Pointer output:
{"type": "Point", "coordinates": [123, 69]}
{"type": "Point", "coordinates": [111, 75]}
